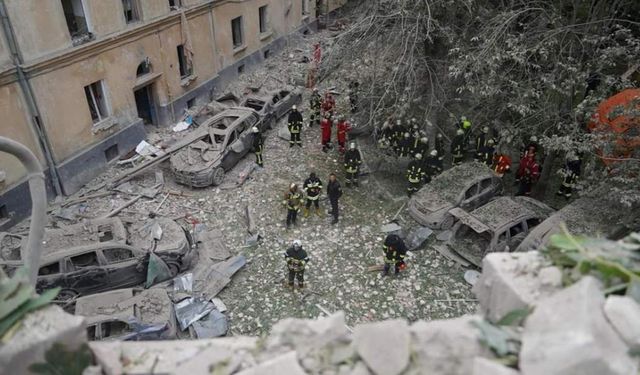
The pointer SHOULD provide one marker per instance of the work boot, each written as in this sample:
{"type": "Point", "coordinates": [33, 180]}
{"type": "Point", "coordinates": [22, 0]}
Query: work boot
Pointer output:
{"type": "Point", "coordinates": [306, 212]}
{"type": "Point", "coordinates": [318, 212]}
{"type": "Point", "coordinates": [334, 221]}
{"type": "Point", "coordinates": [301, 286]}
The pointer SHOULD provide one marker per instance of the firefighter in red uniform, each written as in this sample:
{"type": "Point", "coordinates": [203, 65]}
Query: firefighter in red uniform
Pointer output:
{"type": "Point", "coordinates": [528, 171]}
{"type": "Point", "coordinates": [325, 125]}
{"type": "Point", "coordinates": [501, 164]}
{"type": "Point", "coordinates": [343, 128]}
{"type": "Point", "coordinates": [328, 104]}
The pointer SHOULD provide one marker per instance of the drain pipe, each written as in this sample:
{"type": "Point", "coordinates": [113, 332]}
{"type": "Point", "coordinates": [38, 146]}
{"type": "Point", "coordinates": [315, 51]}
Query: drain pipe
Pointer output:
{"type": "Point", "coordinates": [35, 176]}
{"type": "Point", "coordinates": [32, 107]}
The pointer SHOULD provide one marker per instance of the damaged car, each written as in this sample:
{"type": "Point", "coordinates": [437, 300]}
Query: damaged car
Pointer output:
{"type": "Point", "coordinates": [128, 315]}
{"type": "Point", "coordinates": [215, 147]}
{"type": "Point", "coordinates": [271, 105]}
{"type": "Point", "coordinates": [467, 186]}
{"type": "Point", "coordinates": [498, 226]}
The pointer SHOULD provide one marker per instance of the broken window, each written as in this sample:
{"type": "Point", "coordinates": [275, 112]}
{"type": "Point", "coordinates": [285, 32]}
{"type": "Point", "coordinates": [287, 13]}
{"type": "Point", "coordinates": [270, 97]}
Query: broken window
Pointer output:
{"type": "Point", "coordinates": [485, 184]}
{"type": "Point", "coordinates": [471, 192]}
{"type": "Point", "coordinates": [186, 69]}
{"type": "Point", "coordinates": [91, 333]}
{"type": "Point", "coordinates": [132, 10]}
{"type": "Point", "coordinates": [114, 328]}
{"type": "Point", "coordinates": [117, 255]}
{"type": "Point", "coordinates": [262, 14]}
{"type": "Point", "coordinates": [85, 260]}
{"type": "Point", "coordinates": [533, 222]}
{"type": "Point", "coordinates": [236, 31]}
{"type": "Point", "coordinates": [175, 4]}
{"type": "Point", "coordinates": [516, 229]}
{"type": "Point", "coordinates": [96, 99]}
{"type": "Point", "coordinates": [76, 21]}
{"type": "Point", "coordinates": [232, 138]}
{"type": "Point", "coordinates": [50, 269]}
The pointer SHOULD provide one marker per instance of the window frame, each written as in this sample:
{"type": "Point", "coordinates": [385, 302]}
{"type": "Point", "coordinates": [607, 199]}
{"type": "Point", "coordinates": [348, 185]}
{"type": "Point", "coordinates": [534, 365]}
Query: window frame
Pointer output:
{"type": "Point", "coordinates": [93, 102]}
{"type": "Point", "coordinates": [263, 19]}
{"type": "Point", "coordinates": [305, 8]}
{"type": "Point", "coordinates": [78, 268]}
{"type": "Point", "coordinates": [136, 11]}
{"type": "Point", "coordinates": [240, 42]}
{"type": "Point", "coordinates": [177, 4]}
{"type": "Point", "coordinates": [183, 67]}
{"type": "Point", "coordinates": [115, 261]}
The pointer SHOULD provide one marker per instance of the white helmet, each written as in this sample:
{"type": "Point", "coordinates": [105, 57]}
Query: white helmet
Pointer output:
{"type": "Point", "coordinates": [352, 145]}
{"type": "Point", "coordinates": [297, 243]}
{"type": "Point", "coordinates": [255, 129]}
{"type": "Point", "coordinates": [398, 122]}
{"type": "Point", "coordinates": [293, 185]}
{"type": "Point", "coordinates": [460, 132]}
{"type": "Point", "coordinates": [315, 89]}
{"type": "Point", "coordinates": [294, 107]}
{"type": "Point", "coordinates": [485, 129]}
{"type": "Point", "coordinates": [424, 139]}
{"type": "Point", "coordinates": [434, 153]}
{"type": "Point", "coordinates": [418, 156]}
{"type": "Point", "coordinates": [463, 118]}
{"type": "Point", "coordinates": [490, 141]}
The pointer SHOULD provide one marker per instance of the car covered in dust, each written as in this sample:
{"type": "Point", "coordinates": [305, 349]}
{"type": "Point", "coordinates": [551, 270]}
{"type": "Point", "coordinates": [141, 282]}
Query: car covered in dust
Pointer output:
{"type": "Point", "coordinates": [467, 186]}
{"type": "Point", "coordinates": [128, 315]}
{"type": "Point", "coordinates": [100, 254]}
{"type": "Point", "coordinates": [271, 105]}
{"type": "Point", "coordinates": [215, 147]}
{"type": "Point", "coordinates": [498, 226]}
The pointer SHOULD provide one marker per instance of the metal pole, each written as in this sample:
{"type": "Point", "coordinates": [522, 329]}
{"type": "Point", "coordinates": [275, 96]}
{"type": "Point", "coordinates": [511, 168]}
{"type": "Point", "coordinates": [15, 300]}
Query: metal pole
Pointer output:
{"type": "Point", "coordinates": [35, 176]}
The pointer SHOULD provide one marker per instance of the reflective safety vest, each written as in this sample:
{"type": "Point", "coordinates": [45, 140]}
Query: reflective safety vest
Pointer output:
{"type": "Point", "coordinates": [292, 200]}
{"type": "Point", "coordinates": [415, 173]}
{"type": "Point", "coordinates": [313, 187]}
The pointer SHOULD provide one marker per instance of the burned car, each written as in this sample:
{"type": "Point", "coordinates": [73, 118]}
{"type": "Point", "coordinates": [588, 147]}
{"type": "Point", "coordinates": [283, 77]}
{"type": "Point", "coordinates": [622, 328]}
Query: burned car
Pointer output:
{"type": "Point", "coordinates": [100, 254]}
{"type": "Point", "coordinates": [270, 105]}
{"type": "Point", "coordinates": [499, 225]}
{"type": "Point", "coordinates": [467, 186]}
{"type": "Point", "coordinates": [215, 147]}
{"type": "Point", "coordinates": [128, 315]}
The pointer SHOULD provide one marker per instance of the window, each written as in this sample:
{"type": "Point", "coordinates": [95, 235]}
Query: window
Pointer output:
{"type": "Point", "coordinates": [485, 184]}
{"type": "Point", "coordinates": [305, 9]}
{"type": "Point", "coordinates": [266, 54]}
{"type": "Point", "coordinates": [175, 4]}
{"type": "Point", "coordinates": [143, 68]}
{"type": "Point", "coordinates": [131, 10]}
{"type": "Point", "coordinates": [236, 30]}
{"type": "Point", "coordinates": [114, 328]}
{"type": "Point", "coordinates": [91, 333]}
{"type": "Point", "coordinates": [471, 192]}
{"type": "Point", "coordinates": [85, 260]}
{"type": "Point", "coordinates": [117, 255]}
{"type": "Point", "coordinates": [533, 222]}
{"type": "Point", "coordinates": [516, 229]}
{"type": "Point", "coordinates": [191, 103]}
{"type": "Point", "coordinates": [262, 12]}
{"type": "Point", "coordinates": [186, 69]}
{"type": "Point", "coordinates": [4, 213]}
{"type": "Point", "coordinates": [111, 153]}
{"type": "Point", "coordinates": [50, 269]}
{"type": "Point", "coordinates": [96, 99]}
{"type": "Point", "coordinates": [503, 237]}
{"type": "Point", "coordinates": [76, 20]}
{"type": "Point", "coordinates": [240, 69]}
{"type": "Point", "coordinates": [232, 138]}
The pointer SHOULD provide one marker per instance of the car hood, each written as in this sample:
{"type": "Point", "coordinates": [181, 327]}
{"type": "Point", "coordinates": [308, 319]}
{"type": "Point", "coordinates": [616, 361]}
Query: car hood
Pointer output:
{"type": "Point", "coordinates": [430, 200]}
{"type": "Point", "coordinates": [195, 157]}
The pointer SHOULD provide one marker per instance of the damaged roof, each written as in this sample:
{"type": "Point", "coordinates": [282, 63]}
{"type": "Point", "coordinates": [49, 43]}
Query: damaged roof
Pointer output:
{"type": "Point", "coordinates": [450, 183]}
{"type": "Point", "coordinates": [500, 212]}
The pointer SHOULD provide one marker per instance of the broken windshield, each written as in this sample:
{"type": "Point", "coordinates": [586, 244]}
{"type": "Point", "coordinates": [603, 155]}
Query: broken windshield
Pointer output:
{"type": "Point", "coordinates": [471, 244]}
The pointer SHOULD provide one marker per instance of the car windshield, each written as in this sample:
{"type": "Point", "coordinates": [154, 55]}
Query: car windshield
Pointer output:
{"type": "Point", "coordinates": [254, 104]}
{"type": "Point", "coordinates": [471, 244]}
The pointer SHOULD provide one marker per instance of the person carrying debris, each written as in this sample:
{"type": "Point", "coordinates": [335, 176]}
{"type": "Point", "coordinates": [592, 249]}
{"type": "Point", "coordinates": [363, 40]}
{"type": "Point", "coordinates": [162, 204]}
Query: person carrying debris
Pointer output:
{"type": "Point", "coordinates": [432, 166]}
{"type": "Point", "coordinates": [292, 201]}
{"type": "Point", "coordinates": [481, 142]}
{"type": "Point", "coordinates": [571, 172]}
{"type": "Point", "coordinates": [297, 259]}
{"type": "Point", "coordinates": [528, 171]}
{"type": "Point", "coordinates": [439, 146]}
{"type": "Point", "coordinates": [328, 104]}
{"type": "Point", "coordinates": [312, 187]}
{"type": "Point", "coordinates": [394, 251]}
{"type": "Point", "coordinates": [295, 126]}
{"type": "Point", "coordinates": [352, 161]}
{"type": "Point", "coordinates": [334, 191]}
{"type": "Point", "coordinates": [325, 126]}
{"type": "Point", "coordinates": [343, 128]}
{"type": "Point", "coordinates": [415, 175]}
{"type": "Point", "coordinates": [485, 153]}
{"type": "Point", "coordinates": [315, 103]}
{"type": "Point", "coordinates": [457, 148]}
{"type": "Point", "coordinates": [258, 145]}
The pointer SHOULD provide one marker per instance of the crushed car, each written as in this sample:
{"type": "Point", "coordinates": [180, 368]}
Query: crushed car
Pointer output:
{"type": "Point", "coordinates": [498, 226]}
{"type": "Point", "coordinates": [215, 147]}
{"type": "Point", "coordinates": [100, 254]}
{"type": "Point", "coordinates": [128, 315]}
{"type": "Point", "coordinates": [467, 186]}
{"type": "Point", "coordinates": [271, 105]}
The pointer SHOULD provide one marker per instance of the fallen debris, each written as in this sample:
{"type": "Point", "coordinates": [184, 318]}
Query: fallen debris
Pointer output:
{"type": "Point", "coordinates": [213, 325]}
{"type": "Point", "coordinates": [416, 238]}
{"type": "Point", "coordinates": [191, 310]}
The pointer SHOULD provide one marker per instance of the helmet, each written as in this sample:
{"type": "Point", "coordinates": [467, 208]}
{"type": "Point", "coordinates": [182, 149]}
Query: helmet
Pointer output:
{"type": "Point", "coordinates": [315, 89]}
{"type": "Point", "coordinates": [463, 118]}
{"type": "Point", "coordinates": [407, 135]}
{"type": "Point", "coordinates": [424, 139]}
{"type": "Point", "coordinates": [415, 126]}
{"type": "Point", "coordinates": [295, 107]}
{"type": "Point", "coordinates": [533, 138]}
{"type": "Point", "coordinates": [312, 174]}
{"type": "Point", "coordinates": [413, 119]}
{"type": "Point", "coordinates": [439, 135]}
{"type": "Point", "coordinates": [460, 132]}
{"type": "Point", "coordinates": [398, 122]}
{"type": "Point", "coordinates": [293, 185]}
{"type": "Point", "coordinates": [418, 156]}
{"type": "Point", "coordinates": [255, 129]}
{"type": "Point", "coordinates": [485, 129]}
{"type": "Point", "coordinates": [352, 145]}
{"type": "Point", "coordinates": [297, 243]}
{"type": "Point", "coordinates": [433, 153]}
{"type": "Point", "coordinates": [490, 141]}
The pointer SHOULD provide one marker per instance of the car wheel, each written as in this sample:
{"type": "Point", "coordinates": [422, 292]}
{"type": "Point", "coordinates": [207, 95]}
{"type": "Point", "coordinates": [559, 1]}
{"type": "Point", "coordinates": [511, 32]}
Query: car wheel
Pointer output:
{"type": "Point", "coordinates": [218, 176]}
{"type": "Point", "coordinates": [447, 223]}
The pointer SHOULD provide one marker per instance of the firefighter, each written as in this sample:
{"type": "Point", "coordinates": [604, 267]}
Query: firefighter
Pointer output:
{"type": "Point", "coordinates": [457, 148]}
{"type": "Point", "coordinates": [421, 146]}
{"type": "Point", "coordinates": [353, 95]}
{"type": "Point", "coordinates": [258, 145]}
{"type": "Point", "coordinates": [297, 259]}
{"type": "Point", "coordinates": [528, 172]}
{"type": "Point", "coordinates": [398, 135]}
{"type": "Point", "coordinates": [439, 146]}
{"type": "Point", "coordinates": [328, 104]}
{"type": "Point", "coordinates": [405, 145]}
{"type": "Point", "coordinates": [432, 166]}
{"type": "Point", "coordinates": [501, 164]}
{"type": "Point", "coordinates": [481, 141]}
{"type": "Point", "coordinates": [334, 192]}
{"type": "Point", "coordinates": [415, 175]}
{"type": "Point", "coordinates": [486, 153]}
{"type": "Point", "coordinates": [312, 188]}
{"type": "Point", "coordinates": [295, 127]}
{"type": "Point", "coordinates": [465, 125]}
{"type": "Point", "coordinates": [394, 251]}
{"type": "Point", "coordinates": [325, 126]}
{"type": "Point", "coordinates": [352, 161]}
{"type": "Point", "coordinates": [386, 135]}
{"type": "Point", "coordinates": [292, 201]}
{"type": "Point", "coordinates": [314, 104]}
{"type": "Point", "coordinates": [342, 129]}
{"type": "Point", "coordinates": [571, 172]}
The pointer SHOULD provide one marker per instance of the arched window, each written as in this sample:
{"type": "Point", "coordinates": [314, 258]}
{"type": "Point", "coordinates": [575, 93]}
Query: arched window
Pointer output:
{"type": "Point", "coordinates": [143, 68]}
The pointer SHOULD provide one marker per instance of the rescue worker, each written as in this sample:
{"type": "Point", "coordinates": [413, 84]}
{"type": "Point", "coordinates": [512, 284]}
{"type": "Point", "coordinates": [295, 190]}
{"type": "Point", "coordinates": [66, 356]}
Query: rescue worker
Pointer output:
{"type": "Point", "coordinates": [352, 161]}
{"type": "Point", "coordinates": [258, 145]}
{"type": "Point", "coordinates": [334, 191]}
{"type": "Point", "coordinates": [486, 153]}
{"type": "Point", "coordinates": [292, 201]}
{"type": "Point", "coordinates": [394, 251]}
{"type": "Point", "coordinates": [353, 95]}
{"type": "Point", "coordinates": [457, 148]}
{"type": "Point", "coordinates": [328, 104]}
{"type": "Point", "coordinates": [421, 146]}
{"type": "Point", "coordinates": [398, 135]}
{"type": "Point", "coordinates": [481, 141]}
{"type": "Point", "coordinates": [571, 172]}
{"type": "Point", "coordinates": [343, 128]}
{"type": "Point", "coordinates": [439, 146]}
{"type": "Point", "coordinates": [325, 126]}
{"type": "Point", "coordinates": [501, 164]}
{"type": "Point", "coordinates": [386, 135]}
{"type": "Point", "coordinates": [405, 145]}
{"type": "Point", "coordinates": [465, 126]}
{"type": "Point", "coordinates": [528, 172]}
{"type": "Point", "coordinates": [315, 102]}
{"type": "Point", "coordinates": [415, 175]}
{"type": "Point", "coordinates": [312, 188]}
{"type": "Point", "coordinates": [432, 166]}
{"type": "Point", "coordinates": [297, 259]}
{"type": "Point", "coordinates": [295, 126]}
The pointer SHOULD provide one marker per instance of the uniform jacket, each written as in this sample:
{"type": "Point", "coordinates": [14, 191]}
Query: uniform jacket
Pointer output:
{"type": "Point", "coordinates": [352, 160]}
{"type": "Point", "coordinates": [295, 121]}
{"type": "Point", "coordinates": [394, 249]}
{"type": "Point", "coordinates": [296, 259]}
{"type": "Point", "coordinates": [415, 171]}
{"type": "Point", "coordinates": [292, 199]}
{"type": "Point", "coordinates": [258, 142]}
{"type": "Point", "coordinates": [457, 146]}
{"type": "Point", "coordinates": [343, 128]}
{"type": "Point", "coordinates": [334, 190]}
{"type": "Point", "coordinates": [325, 125]}
{"type": "Point", "coordinates": [529, 168]}
{"type": "Point", "coordinates": [312, 187]}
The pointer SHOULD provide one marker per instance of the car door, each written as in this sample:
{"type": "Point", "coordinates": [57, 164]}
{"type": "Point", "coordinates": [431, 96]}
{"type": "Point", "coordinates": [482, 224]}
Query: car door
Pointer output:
{"type": "Point", "coordinates": [470, 197]}
{"type": "Point", "coordinates": [502, 242]}
{"type": "Point", "coordinates": [284, 103]}
{"type": "Point", "coordinates": [517, 233]}
{"type": "Point", "coordinates": [124, 268]}
{"type": "Point", "coordinates": [85, 273]}
{"type": "Point", "coordinates": [230, 158]}
{"type": "Point", "coordinates": [486, 191]}
{"type": "Point", "coordinates": [50, 275]}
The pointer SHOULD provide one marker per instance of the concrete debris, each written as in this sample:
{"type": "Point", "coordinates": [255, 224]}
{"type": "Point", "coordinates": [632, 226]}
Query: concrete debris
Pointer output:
{"type": "Point", "coordinates": [183, 283]}
{"type": "Point", "coordinates": [211, 244]}
{"type": "Point", "coordinates": [471, 277]}
{"type": "Point", "coordinates": [416, 238]}
{"type": "Point", "coordinates": [220, 306]}
{"type": "Point", "coordinates": [567, 333]}
{"type": "Point", "coordinates": [444, 235]}
{"type": "Point", "coordinates": [213, 325]}
{"type": "Point", "coordinates": [483, 366]}
{"type": "Point", "coordinates": [145, 149]}
{"type": "Point", "coordinates": [285, 364]}
{"type": "Point", "coordinates": [384, 346]}
{"type": "Point", "coordinates": [512, 281]}
{"type": "Point", "coordinates": [624, 315]}
{"type": "Point", "coordinates": [191, 310]}
{"type": "Point", "coordinates": [390, 228]}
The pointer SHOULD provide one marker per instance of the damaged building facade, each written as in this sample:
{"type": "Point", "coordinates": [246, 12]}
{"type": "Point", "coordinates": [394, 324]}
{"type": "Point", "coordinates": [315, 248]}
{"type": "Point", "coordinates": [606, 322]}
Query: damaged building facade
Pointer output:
{"type": "Point", "coordinates": [80, 79]}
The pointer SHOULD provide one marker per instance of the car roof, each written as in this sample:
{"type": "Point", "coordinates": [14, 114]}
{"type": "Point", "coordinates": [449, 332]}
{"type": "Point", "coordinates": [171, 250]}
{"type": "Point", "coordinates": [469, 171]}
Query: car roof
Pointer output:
{"type": "Point", "coordinates": [83, 234]}
{"type": "Point", "coordinates": [149, 306]}
{"type": "Point", "coordinates": [56, 256]}
{"type": "Point", "coordinates": [455, 180]}
{"type": "Point", "coordinates": [502, 212]}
